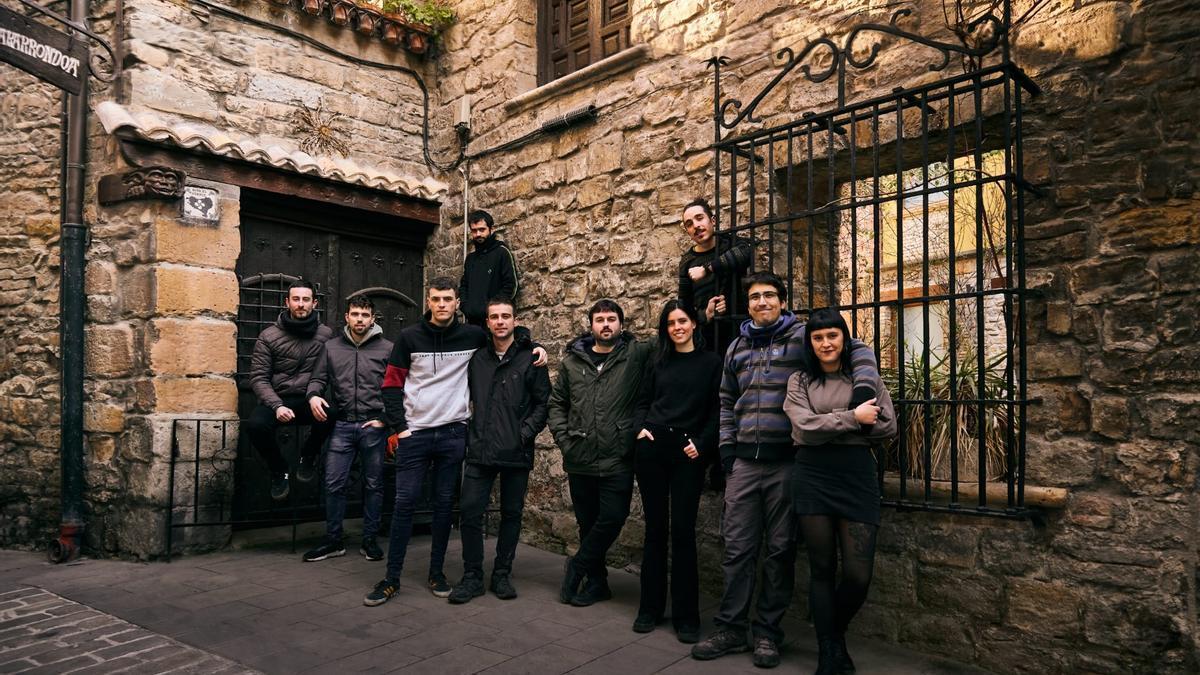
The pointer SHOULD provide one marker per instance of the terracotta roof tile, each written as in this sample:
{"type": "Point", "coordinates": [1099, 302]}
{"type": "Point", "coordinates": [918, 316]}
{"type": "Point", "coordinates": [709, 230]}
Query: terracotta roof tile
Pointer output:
{"type": "Point", "coordinates": [193, 135]}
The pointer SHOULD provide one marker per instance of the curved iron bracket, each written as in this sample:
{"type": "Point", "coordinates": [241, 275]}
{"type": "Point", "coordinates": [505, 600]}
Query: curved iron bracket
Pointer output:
{"type": "Point", "coordinates": [101, 68]}
{"type": "Point", "coordinates": [842, 58]}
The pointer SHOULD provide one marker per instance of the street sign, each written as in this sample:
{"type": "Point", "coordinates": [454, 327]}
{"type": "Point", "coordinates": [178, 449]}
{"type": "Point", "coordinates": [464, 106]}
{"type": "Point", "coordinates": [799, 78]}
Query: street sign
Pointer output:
{"type": "Point", "coordinates": [43, 52]}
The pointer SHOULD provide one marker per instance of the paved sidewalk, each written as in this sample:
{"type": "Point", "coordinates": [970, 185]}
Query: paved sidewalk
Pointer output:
{"type": "Point", "coordinates": [266, 610]}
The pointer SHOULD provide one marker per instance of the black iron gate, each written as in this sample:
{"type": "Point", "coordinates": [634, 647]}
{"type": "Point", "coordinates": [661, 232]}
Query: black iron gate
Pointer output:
{"type": "Point", "coordinates": [217, 480]}
{"type": "Point", "coordinates": [904, 211]}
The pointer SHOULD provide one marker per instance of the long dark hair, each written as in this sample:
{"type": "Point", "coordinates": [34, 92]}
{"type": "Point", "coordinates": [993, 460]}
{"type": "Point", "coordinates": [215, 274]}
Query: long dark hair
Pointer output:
{"type": "Point", "coordinates": [820, 320]}
{"type": "Point", "coordinates": [665, 346]}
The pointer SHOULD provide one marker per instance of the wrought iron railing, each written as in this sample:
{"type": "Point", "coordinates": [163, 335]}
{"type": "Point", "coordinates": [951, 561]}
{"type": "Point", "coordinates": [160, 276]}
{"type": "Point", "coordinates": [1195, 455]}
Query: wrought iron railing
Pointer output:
{"type": "Point", "coordinates": [906, 212]}
{"type": "Point", "coordinates": [217, 485]}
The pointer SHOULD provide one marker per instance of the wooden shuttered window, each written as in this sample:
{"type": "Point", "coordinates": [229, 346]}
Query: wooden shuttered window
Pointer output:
{"type": "Point", "coordinates": [573, 34]}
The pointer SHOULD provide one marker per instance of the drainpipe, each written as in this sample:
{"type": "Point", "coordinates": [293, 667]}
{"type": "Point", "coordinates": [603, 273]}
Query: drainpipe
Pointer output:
{"type": "Point", "coordinates": [72, 243]}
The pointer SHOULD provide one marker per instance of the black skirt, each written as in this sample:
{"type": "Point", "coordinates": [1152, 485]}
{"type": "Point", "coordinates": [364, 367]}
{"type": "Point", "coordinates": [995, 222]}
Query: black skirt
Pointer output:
{"type": "Point", "coordinates": [836, 480]}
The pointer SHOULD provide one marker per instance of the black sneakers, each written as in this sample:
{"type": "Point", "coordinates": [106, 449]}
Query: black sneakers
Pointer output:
{"type": "Point", "coordinates": [383, 592]}
{"type": "Point", "coordinates": [721, 642]}
{"type": "Point", "coordinates": [766, 653]}
{"type": "Point", "coordinates": [688, 634]}
{"type": "Point", "coordinates": [502, 586]}
{"type": "Point", "coordinates": [439, 586]}
{"type": "Point", "coordinates": [327, 550]}
{"type": "Point", "coordinates": [595, 590]}
{"type": "Point", "coordinates": [644, 623]}
{"type": "Point", "coordinates": [468, 589]}
{"type": "Point", "coordinates": [572, 577]}
{"type": "Point", "coordinates": [279, 487]}
{"type": "Point", "coordinates": [370, 550]}
{"type": "Point", "coordinates": [306, 470]}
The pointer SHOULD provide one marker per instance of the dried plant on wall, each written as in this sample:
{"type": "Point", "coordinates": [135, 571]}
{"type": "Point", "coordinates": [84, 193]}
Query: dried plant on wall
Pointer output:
{"type": "Point", "coordinates": [320, 132]}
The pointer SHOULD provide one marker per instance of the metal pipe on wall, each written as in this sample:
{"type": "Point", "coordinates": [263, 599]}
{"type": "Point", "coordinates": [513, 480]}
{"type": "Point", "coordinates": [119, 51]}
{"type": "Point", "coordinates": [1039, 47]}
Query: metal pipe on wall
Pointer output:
{"type": "Point", "coordinates": [73, 246]}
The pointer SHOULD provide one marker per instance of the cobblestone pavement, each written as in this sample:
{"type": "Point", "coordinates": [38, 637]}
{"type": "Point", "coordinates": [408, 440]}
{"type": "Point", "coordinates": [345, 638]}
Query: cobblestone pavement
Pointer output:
{"type": "Point", "coordinates": [41, 632]}
{"type": "Point", "coordinates": [263, 609]}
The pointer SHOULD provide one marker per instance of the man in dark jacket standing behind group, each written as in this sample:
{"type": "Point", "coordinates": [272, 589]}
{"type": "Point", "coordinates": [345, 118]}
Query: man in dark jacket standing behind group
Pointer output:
{"type": "Point", "coordinates": [284, 358]}
{"type": "Point", "coordinates": [490, 271]}
{"type": "Point", "coordinates": [592, 419]}
{"type": "Point", "coordinates": [352, 370]}
{"type": "Point", "coordinates": [508, 410]}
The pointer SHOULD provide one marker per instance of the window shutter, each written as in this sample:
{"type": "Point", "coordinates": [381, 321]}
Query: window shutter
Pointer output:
{"type": "Point", "coordinates": [575, 33]}
{"type": "Point", "coordinates": [612, 27]}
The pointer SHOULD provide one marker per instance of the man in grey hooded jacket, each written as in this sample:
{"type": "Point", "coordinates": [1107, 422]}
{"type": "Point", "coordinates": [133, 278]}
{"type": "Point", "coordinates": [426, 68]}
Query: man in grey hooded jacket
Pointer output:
{"type": "Point", "coordinates": [352, 371]}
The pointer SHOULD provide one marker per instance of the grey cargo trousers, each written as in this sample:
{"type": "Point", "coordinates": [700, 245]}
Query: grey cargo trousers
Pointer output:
{"type": "Point", "coordinates": [758, 502]}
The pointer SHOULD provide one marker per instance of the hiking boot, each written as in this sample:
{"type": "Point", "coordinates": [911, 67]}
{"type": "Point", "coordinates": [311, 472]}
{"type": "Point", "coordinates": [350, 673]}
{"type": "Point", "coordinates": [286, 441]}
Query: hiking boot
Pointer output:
{"type": "Point", "coordinates": [766, 653]}
{"type": "Point", "coordinates": [595, 590]}
{"type": "Point", "coordinates": [502, 586]}
{"type": "Point", "coordinates": [306, 470]}
{"type": "Point", "coordinates": [279, 487]}
{"type": "Point", "coordinates": [572, 577]}
{"type": "Point", "coordinates": [721, 642]}
{"type": "Point", "coordinates": [688, 634]}
{"type": "Point", "coordinates": [327, 550]}
{"type": "Point", "coordinates": [370, 550]}
{"type": "Point", "coordinates": [469, 588]}
{"type": "Point", "coordinates": [439, 586]}
{"type": "Point", "coordinates": [383, 592]}
{"type": "Point", "coordinates": [644, 623]}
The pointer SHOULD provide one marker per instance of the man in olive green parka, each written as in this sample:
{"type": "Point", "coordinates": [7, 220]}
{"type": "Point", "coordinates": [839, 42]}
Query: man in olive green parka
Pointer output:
{"type": "Point", "coordinates": [591, 417]}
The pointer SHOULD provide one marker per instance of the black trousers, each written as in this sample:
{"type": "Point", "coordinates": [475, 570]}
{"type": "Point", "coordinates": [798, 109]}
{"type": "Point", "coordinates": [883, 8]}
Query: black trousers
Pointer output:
{"type": "Point", "coordinates": [601, 506]}
{"type": "Point", "coordinates": [670, 484]}
{"type": "Point", "coordinates": [261, 426]}
{"type": "Point", "coordinates": [476, 492]}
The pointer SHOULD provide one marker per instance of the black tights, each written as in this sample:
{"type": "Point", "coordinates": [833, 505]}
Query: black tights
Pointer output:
{"type": "Point", "coordinates": [833, 609]}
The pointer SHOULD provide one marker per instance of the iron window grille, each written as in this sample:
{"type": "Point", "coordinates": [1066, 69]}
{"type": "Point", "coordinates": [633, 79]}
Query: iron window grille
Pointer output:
{"type": "Point", "coordinates": [906, 212]}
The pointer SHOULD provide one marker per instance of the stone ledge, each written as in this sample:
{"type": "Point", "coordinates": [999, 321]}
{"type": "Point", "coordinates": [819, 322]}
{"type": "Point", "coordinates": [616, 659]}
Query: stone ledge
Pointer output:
{"type": "Point", "coordinates": [623, 60]}
{"type": "Point", "coordinates": [997, 493]}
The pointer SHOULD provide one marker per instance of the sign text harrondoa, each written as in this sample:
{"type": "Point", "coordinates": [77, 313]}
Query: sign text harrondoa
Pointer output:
{"type": "Point", "coordinates": [46, 53]}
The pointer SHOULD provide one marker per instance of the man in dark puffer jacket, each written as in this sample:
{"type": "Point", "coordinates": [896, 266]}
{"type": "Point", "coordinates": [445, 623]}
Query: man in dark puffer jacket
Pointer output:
{"type": "Point", "coordinates": [352, 371]}
{"type": "Point", "coordinates": [508, 409]}
{"type": "Point", "coordinates": [284, 358]}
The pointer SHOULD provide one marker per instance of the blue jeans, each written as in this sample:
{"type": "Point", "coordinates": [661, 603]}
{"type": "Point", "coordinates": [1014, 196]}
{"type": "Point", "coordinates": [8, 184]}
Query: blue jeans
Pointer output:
{"type": "Point", "coordinates": [347, 440]}
{"type": "Point", "coordinates": [442, 447]}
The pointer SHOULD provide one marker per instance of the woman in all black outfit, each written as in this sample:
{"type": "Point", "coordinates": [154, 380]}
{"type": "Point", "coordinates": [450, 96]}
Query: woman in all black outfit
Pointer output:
{"type": "Point", "coordinates": [679, 404]}
{"type": "Point", "coordinates": [835, 486]}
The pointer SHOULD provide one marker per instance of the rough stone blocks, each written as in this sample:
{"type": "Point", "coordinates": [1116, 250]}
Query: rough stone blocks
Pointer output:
{"type": "Point", "coordinates": [195, 395]}
{"type": "Point", "coordinates": [108, 350]}
{"type": "Point", "coordinates": [197, 245]}
{"type": "Point", "coordinates": [182, 289]}
{"type": "Point", "coordinates": [193, 346]}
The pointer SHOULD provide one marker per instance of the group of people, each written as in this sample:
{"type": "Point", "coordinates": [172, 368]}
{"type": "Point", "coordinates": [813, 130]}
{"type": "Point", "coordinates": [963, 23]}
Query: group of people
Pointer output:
{"type": "Point", "coordinates": [788, 417]}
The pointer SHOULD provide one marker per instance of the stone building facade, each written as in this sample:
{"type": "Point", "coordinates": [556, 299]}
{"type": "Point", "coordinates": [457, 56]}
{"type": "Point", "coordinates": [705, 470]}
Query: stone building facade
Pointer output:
{"type": "Point", "coordinates": [1105, 582]}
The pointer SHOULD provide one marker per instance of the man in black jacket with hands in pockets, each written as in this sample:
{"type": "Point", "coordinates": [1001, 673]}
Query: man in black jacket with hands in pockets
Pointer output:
{"type": "Point", "coordinates": [509, 397]}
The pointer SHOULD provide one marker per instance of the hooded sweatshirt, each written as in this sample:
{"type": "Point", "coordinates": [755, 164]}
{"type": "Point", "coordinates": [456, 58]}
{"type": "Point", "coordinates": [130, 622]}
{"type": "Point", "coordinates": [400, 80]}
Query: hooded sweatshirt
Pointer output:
{"type": "Point", "coordinates": [425, 384]}
{"type": "Point", "coordinates": [489, 271]}
{"type": "Point", "coordinates": [754, 387]}
{"type": "Point", "coordinates": [353, 373]}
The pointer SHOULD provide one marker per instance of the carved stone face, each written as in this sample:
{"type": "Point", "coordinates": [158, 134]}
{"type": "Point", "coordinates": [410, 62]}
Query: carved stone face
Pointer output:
{"type": "Point", "coordinates": [162, 181]}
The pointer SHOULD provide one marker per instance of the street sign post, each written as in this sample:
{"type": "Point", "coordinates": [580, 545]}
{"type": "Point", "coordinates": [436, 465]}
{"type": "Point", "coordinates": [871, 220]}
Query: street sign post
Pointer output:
{"type": "Point", "coordinates": [43, 52]}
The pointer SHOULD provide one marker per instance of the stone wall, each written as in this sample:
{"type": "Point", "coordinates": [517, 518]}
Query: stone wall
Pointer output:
{"type": "Point", "coordinates": [162, 294]}
{"type": "Point", "coordinates": [29, 356]}
{"type": "Point", "coordinates": [188, 63]}
{"type": "Point", "coordinates": [1106, 584]}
